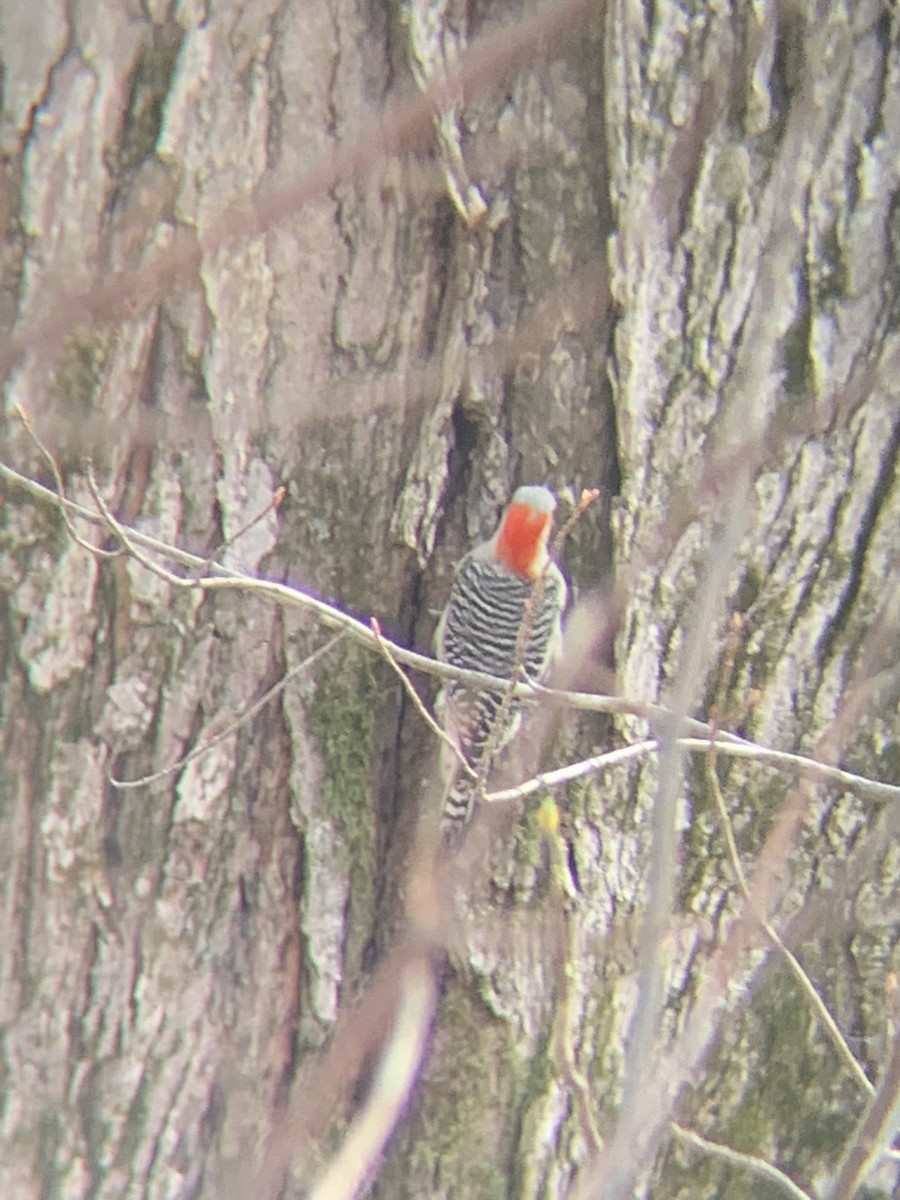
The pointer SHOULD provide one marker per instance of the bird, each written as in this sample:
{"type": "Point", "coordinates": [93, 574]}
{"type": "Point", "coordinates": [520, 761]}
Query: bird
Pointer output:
{"type": "Point", "coordinates": [504, 612]}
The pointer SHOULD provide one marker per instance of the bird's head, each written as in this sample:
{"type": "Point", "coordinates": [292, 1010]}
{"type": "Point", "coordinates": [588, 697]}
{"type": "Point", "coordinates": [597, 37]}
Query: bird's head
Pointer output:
{"type": "Point", "coordinates": [521, 541]}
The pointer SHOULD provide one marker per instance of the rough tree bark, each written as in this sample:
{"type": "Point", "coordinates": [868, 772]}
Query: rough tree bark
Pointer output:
{"type": "Point", "coordinates": [659, 256]}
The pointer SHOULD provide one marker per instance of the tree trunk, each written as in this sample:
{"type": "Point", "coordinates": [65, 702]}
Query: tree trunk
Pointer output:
{"type": "Point", "coordinates": [652, 250]}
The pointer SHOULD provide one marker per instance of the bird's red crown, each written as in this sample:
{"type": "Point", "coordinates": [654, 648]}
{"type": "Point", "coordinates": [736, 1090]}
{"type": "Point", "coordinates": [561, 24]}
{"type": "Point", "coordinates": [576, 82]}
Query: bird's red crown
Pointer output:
{"type": "Point", "coordinates": [523, 533]}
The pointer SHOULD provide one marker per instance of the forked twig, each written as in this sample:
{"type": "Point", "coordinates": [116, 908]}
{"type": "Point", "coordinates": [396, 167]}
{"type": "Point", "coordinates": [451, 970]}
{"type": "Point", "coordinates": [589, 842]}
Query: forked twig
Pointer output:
{"type": "Point", "coordinates": [96, 551]}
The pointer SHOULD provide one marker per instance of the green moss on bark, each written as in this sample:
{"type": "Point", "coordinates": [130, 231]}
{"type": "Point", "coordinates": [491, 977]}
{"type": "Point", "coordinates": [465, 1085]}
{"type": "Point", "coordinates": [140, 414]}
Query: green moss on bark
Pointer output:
{"type": "Point", "coordinates": [342, 718]}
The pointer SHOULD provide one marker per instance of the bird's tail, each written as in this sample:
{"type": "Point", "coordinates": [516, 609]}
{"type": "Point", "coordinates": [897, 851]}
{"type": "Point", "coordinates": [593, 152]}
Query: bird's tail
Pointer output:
{"type": "Point", "coordinates": [483, 743]}
{"type": "Point", "coordinates": [459, 808]}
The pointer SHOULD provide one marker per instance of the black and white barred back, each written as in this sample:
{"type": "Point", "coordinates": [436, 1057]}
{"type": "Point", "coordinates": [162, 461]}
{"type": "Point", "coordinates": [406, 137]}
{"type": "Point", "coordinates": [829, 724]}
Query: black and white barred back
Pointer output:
{"type": "Point", "coordinates": [480, 632]}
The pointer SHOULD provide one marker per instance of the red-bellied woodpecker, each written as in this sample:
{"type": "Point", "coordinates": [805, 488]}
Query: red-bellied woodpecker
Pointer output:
{"type": "Point", "coordinates": [503, 612]}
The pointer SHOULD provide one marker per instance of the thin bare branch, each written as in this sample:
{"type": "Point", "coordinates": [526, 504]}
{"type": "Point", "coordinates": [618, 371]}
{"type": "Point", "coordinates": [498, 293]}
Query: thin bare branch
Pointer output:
{"type": "Point", "coordinates": [736, 1158]}
{"type": "Point", "coordinates": [273, 506]}
{"type": "Point", "coordinates": [564, 775]}
{"type": "Point", "coordinates": [586, 499]}
{"type": "Point", "coordinates": [809, 768]}
{"type": "Point", "coordinates": [806, 985]}
{"type": "Point", "coordinates": [423, 712]}
{"type": "Point", "coordinates": [243, 719]}
{"type": "Point", "coordinates": [612, 1173]}
{"type": "Point", "coordinates": [568, 1014]}
{"type": "Point", "coordinates": [96, 551]}
{"type": "Point", "coordinates": [125, 536]}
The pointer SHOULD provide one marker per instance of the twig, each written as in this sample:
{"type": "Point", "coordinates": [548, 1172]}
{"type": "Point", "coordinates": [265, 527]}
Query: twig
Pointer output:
{"type": "Point", "coordinates": [737, 1159]}
{"type": "Point", "coordinates": [125, 785]}
{"type": "Point", "coordinates": [563, 775]}
{"type": "Point", "coordinates": [568, 1013]}
{"type": "Point", "coordinates": [634, 1142]}
{"type": "Point", "coordinates": [423, 712]}
{"type": "Point", "coordinates": [124, 535]}
{"type": "Point", "coordinates": [273, 505]}
{"type": "Point", "coordinates": [810, 767]}
{"type": "Point", "coordinates": [96, 551]}
{"type": "Point", "coordinates": [587, 498]}
{"type": "Point", "coordinates": [802, 978]}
